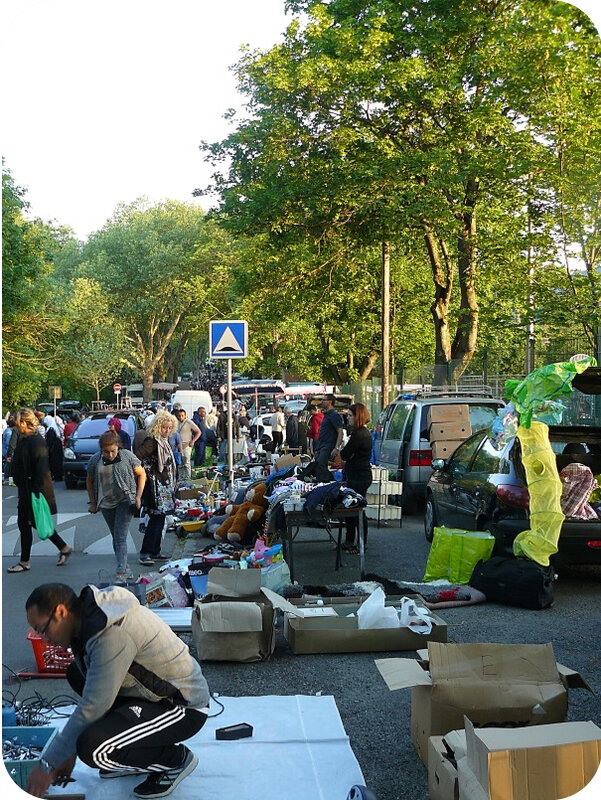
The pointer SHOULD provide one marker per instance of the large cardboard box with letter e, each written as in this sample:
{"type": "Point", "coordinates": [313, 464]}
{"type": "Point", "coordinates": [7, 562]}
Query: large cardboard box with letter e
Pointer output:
{"type": "Point", "coordinates": [235, 620]}
{"type": "Point", "coordinates": [490, 683]}
{"type": "Point", "coordinates": [539, 763]}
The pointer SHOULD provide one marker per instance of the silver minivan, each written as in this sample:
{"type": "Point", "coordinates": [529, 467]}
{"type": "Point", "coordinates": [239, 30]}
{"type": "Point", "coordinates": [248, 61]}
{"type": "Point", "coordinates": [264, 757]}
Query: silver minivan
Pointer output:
{"type": "Point", "coordinates": [402, 442]}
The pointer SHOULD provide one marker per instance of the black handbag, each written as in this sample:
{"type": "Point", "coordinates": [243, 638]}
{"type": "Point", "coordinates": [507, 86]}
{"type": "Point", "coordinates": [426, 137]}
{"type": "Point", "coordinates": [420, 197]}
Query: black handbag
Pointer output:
{"type": "Point", "coordinates": [514, 581]}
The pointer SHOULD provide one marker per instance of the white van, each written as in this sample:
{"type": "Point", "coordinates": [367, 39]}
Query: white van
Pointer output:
{"type": "Point", "coordinates": [190, 400]}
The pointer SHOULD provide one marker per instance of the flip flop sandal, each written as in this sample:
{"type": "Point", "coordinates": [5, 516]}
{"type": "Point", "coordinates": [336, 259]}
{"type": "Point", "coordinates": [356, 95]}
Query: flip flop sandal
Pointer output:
{"type": "Point", "coordinates": [351, 549]}
{"type": "Point", "coordinates": [18, 568]}
{"type": "Point", "coordinates": [62, 559]}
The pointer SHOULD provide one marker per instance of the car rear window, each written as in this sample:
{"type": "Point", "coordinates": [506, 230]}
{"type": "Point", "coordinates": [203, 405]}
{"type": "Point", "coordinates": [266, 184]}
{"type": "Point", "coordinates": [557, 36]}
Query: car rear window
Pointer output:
{"type": "Point", "coordinates": [94, 428]}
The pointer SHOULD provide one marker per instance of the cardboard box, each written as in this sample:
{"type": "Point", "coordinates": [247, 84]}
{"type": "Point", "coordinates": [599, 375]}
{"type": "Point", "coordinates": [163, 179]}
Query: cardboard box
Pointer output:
{"type": "Point", "coordinates": [339, 633]}
{"type": "Point", "coordinates": [442, 773]}
{"type": "Point", "coordinates": [235, 621]}
{"type": "Point", "coordinates": [445, 449]}
{"type": "Point", "coordinates": [547, 761]}
{"type": "Point", "coordinates": [190, 494]}
{"type": "Point", "coordinates": [491, 683]}
{"type": "Point", "coordinates": [287, 461]}
{"type": "Point", "coordinates": [448, 412]}
{"type": "Point", "coordinates": [453, 431]}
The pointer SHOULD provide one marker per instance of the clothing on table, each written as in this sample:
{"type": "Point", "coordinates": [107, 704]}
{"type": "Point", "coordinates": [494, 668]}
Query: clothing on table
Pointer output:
{"type": "Point", "coordinates": [578, 484]}
{"type": "Point", "coordinates": [31, 473]}
{"type": "Point", "coordinates": [131, 669]}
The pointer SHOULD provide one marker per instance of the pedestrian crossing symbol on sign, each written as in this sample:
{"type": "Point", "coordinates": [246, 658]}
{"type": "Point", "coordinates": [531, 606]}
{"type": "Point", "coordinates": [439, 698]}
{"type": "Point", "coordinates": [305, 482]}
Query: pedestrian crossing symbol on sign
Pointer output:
{"type": "Point", "coordinates": [228, 338]}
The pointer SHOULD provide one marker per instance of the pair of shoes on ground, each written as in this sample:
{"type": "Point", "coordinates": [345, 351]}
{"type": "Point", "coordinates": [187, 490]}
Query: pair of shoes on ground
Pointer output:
{"type": "Point", "coordinates": [159, 784]}
{"type": "Point", "coordinates": [123, 577]}
{"type": "Point", "coordinates": [149, 560]}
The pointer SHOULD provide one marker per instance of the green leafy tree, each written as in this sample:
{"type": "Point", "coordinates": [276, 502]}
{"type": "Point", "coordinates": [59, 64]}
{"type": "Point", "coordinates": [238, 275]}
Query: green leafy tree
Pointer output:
{"type": "Point", "coordinates": [162, 269]}
{"type": "Point", "coordinates": [29, 323]}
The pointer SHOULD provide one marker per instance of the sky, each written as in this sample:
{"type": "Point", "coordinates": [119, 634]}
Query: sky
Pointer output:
{"type": "Point", "coordinates": [106, 101]}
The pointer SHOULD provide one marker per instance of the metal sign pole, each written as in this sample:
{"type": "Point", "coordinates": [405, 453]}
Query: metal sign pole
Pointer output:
{"type": "Point", "coordinates": [230, 425]}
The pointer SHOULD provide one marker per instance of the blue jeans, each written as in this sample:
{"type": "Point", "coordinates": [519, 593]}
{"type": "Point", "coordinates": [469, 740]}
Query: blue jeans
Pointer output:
{"type": "Point", "coordinates": [118, 519]}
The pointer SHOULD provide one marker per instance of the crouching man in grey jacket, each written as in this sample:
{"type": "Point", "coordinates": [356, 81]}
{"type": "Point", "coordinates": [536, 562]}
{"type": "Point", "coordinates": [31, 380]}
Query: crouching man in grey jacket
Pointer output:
{"type": "Point", "coordinates": [141, 691]}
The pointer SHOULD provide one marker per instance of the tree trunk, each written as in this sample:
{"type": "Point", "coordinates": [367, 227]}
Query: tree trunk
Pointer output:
{"type": "Point", "coordinates": [385, 383]}
{"type": "Point", "coordinates": [368, 363]}
{"type": "Point", "coordinates": [442, 274]}
{"type": "Point", "coordinates": [466, 335]}
{"type": "Point", "coordinates": [147, 381]}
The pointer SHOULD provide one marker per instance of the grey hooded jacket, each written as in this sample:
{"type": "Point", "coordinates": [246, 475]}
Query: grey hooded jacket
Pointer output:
{"type": "Point", "coordinates": [125, 650]}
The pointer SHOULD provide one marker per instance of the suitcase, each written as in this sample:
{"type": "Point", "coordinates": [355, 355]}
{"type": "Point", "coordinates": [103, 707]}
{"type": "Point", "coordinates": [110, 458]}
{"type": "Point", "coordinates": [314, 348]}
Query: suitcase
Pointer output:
{"type": "Point", "coordinates": [515, 582]}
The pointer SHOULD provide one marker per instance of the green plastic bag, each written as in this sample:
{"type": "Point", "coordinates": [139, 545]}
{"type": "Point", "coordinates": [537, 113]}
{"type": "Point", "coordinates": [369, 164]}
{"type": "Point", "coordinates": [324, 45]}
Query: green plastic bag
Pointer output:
{"type": "Point", "coordinates": [467, 548]}
{"type": "Point", "coordinates": [531, 397]}
{"type": "Point", "coordinates": [454, 553]}
{"type": "Point", "coordinates": [440, 555]}
{"type": "Point", "coordinates": [44, 524]}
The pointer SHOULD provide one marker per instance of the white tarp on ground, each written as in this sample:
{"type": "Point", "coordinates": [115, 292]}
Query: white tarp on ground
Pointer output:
{"type": "Point", "coordinates": [299, 750]}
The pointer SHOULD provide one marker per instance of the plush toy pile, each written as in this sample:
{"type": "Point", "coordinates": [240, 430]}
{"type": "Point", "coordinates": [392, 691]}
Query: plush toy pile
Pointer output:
{"type": "Point", "coordinates": [239, 517]}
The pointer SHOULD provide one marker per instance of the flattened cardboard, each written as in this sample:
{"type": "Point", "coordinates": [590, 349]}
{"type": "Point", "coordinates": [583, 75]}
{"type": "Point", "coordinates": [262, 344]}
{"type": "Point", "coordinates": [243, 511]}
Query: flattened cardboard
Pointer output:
{"type": "Point", "coordinates": [547, 761]}
{"type": "Point", "coordinates": [448, 412]}
{"type": "Point", "coordinates": [492, 683]}
{"type": "Point", "coordinates": [442, 773]}
{"type": "Point", "coordinates": [340, 633]}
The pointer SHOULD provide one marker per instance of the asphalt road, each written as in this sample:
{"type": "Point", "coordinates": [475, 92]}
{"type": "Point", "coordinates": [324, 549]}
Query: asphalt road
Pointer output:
{"type": "Point", "coordinates": [376, 720]}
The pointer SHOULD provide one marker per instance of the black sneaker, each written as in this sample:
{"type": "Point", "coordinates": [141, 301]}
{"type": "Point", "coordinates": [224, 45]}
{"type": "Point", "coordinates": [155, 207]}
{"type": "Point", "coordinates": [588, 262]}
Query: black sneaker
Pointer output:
{"type": "Point", "coordinates": [160, 784]}
{"type": "Point", "coordinates": [161, 557]}
{"type": "Point", "coordinates": [146, 560]}
{"type": "Point", "coordinates": [119, 773]}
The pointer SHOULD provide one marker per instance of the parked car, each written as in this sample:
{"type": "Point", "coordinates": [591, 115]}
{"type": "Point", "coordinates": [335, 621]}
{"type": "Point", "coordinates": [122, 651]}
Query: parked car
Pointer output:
{"type": "Point", "coordinates": [480, 487]}
{"type": "Point", "coordinates": [66, 408]}
{"type": "Point", "coordinates": [296, 406]}
{"type": "Point", "coordinates": [83, 442]}
{"type": "Point", "coordinates": [402, 442]}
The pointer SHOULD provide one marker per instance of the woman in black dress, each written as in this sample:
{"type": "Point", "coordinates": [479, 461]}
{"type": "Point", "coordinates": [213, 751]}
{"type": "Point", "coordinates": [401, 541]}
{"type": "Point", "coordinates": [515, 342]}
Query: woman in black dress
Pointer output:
{"type": "Point", "coordinates": [356, 455]}
{"type": "Point", "coordinates": [31, 473]}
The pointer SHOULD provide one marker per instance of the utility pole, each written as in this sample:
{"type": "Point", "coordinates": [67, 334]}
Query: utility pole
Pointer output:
{"type": "Point", "coordinates": [385, 322]}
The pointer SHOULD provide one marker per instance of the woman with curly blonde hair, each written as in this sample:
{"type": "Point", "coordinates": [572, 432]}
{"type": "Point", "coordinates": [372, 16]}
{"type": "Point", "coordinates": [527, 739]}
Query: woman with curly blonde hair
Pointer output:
{"type": "Point", "coordinates": [31, 473]}
{"type": "Point", "coordinates": [158, 498]}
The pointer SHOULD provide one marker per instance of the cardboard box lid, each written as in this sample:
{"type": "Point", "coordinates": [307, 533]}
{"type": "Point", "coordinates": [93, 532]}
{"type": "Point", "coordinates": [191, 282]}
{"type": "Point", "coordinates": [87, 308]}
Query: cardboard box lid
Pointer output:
{"type": "Point", "coordinates": [540, 761]}
{"type": "Point", "coordinates": [240, 583]}
{"type": "Point", "coordinates": [288, 461]}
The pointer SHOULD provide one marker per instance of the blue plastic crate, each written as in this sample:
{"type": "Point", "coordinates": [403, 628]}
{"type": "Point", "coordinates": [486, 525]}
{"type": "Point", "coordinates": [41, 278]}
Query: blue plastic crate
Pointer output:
{"type": "Point", "coordinates": [37, 736]}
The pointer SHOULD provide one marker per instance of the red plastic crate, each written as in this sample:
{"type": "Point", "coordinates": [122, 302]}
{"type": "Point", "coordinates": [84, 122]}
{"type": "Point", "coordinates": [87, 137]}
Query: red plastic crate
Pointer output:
{"type": "Point", "coordinates": [49, 658]}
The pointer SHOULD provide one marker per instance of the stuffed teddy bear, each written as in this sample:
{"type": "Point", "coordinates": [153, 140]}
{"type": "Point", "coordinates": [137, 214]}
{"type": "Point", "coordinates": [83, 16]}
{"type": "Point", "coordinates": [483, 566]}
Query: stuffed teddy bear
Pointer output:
{"type": "Point", "coordinates": [234, 527]}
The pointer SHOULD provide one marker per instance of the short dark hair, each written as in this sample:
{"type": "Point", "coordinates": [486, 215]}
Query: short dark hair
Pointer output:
{"type": "Point", "coordinates": [108, 439]}
{"type": "Point", "coordinates": [331, 398]}
{"type": "Point", "coordinates": [49, 595]}
{"type": "Point", "coordinates": [360, 413]}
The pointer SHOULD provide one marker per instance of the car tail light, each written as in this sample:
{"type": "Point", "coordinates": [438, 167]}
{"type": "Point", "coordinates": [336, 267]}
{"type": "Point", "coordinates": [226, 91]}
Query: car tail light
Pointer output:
{"type": "Point", "coordinates": [420, 458]}
{"type": "Point", "coordinates": [513, 495]}
{"type": "Point", "coordinates": [595, 544]}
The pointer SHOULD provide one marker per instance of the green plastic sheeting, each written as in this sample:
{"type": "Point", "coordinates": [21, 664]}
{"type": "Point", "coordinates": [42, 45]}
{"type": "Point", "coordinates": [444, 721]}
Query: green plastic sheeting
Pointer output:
{"type": "Point", "coordinates": [544, 486]}
{"type": "Point", "coordinates": [454, 554]}
{"type": "Point", "coordinates": [543, 385]}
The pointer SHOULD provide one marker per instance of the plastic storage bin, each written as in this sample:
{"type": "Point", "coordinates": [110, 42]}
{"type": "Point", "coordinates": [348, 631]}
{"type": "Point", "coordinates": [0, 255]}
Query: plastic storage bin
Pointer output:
{"type": "Point", "coordinates": [37, 737]}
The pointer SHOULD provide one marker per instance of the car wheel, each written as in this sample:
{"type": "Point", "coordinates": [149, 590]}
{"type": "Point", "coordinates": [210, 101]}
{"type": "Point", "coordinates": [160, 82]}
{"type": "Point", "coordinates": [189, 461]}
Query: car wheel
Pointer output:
{"type": "Point", "coordinates": [70, 483]}
{"type": "Point", "coordinates": [429, 518]}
